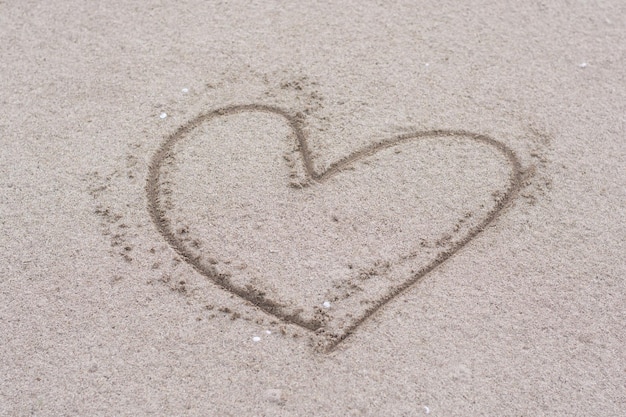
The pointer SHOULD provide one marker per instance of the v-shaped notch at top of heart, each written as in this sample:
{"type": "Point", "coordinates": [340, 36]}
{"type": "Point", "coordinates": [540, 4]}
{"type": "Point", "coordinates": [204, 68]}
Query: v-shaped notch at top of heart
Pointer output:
{"type": "Point", "coordinates": [405, 268]}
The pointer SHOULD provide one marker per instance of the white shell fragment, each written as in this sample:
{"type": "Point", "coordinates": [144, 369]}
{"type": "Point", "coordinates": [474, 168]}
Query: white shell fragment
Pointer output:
{"type": "Point", "coordinates": [583, 65]}
{"type": "Point", "coordinates": [256, 339]}
{"type": "Point", "coordinates": [185, 90]}
{"type": "Point", "coordinates": [326, 304]}
{"type": "Point", "coordinates": [163, 115]}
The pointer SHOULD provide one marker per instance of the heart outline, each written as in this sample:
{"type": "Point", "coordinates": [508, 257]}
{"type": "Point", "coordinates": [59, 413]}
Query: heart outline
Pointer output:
{"type": "Point", "coordinates": [158, 213]}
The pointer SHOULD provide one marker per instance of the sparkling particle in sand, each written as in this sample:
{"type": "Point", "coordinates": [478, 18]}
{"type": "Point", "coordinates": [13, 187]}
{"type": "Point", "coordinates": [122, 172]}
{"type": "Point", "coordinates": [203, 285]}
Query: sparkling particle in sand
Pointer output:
{"type": "Point", "coordinates": [583, 65]}
{"type": "Point", "coordinates": [326, 304]}
{"type": "Point", "coordinates": [256, 339]}
{"type": "Point", "coordinates": [163, 115]}
{"type": "Point", "coordinates": [268, 332]}
{"type": "Point", "coordinates": [427, 410]}
{"type": "Point", "coordinates": [185, 90]}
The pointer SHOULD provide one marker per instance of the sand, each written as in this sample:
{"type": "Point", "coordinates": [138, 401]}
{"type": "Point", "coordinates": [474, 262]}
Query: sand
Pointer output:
{"type": "Point", "coordinates": [344, 208]}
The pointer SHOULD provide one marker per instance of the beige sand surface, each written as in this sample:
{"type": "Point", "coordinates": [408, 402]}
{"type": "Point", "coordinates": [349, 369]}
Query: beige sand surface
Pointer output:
{"type": "Point", "coordinates": [348, 208]}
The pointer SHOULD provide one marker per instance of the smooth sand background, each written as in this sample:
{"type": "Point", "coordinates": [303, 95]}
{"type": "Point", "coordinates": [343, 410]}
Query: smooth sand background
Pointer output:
{"type": "Point", "coordinates": [527, 319]}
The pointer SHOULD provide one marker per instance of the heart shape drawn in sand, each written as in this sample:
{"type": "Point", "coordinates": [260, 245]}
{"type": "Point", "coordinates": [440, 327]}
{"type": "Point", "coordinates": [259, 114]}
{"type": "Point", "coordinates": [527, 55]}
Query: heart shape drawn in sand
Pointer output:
{"type": "Point", "coordinates": [236, 194]}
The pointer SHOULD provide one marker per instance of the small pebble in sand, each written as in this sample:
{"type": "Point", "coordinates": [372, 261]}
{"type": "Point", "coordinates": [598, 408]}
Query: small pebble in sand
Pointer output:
{"type": "Point", "coordinates": [185, 90]}
{"type": "Point", "coordinates": [326, 304]}
{"type": "Point", "coordinates": [268, 332]}
{"type": "Point", "coordinates": [256, 339]}
{"type": "Point", "coordinates": [163, 115]}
